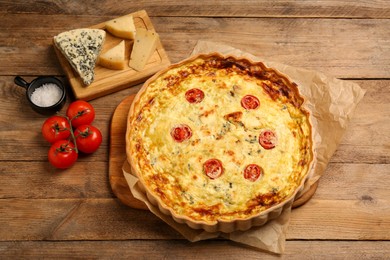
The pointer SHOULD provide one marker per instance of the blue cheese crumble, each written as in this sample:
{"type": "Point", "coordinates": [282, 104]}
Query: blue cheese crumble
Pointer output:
{"type": "Point", "coordinates": [81, 48]}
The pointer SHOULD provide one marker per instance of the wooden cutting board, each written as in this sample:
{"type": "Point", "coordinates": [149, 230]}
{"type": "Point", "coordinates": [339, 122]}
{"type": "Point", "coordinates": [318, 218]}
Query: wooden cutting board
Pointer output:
{"type": "Point", "coordinates": [117, 157]}
{"type": "Point", "coordinates": [108, 81]}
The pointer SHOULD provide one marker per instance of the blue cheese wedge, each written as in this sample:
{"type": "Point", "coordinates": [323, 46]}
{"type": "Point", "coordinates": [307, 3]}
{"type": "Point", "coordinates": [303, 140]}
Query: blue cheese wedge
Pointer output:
{"type": "Point", "coordinates": [81, 48]}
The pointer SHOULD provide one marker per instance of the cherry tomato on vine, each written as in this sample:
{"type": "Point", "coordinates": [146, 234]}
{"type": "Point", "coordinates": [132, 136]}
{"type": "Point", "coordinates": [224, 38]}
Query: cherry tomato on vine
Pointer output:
{"type": "Point", "coordinates": [80, 112]}
{"type": "Point", "coordinates": [62, 154]}
{"type": "Point", "coordinates": [55, 128]}
{"type": "Point", "coordinates": [88, 138]}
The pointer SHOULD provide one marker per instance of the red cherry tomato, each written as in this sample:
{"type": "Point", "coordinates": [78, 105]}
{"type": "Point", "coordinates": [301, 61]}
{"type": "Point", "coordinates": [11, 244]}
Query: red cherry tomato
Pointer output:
{"type": "Point", "coordinates": [80, 113]}
{"type": "Point", "coordinates": [62, 154]}
{"type": "Point", "coordinates": [194, 95]}
{"type": "Point", "coordinates": [88, 138]}
{"type": "Point", "coordinates": [213, 168]}
{"type": "Point", "coordinates": [252, 172]}
{"type": "Point", "coordinates": [268, 139]}
{"type": "Point", "coordinates": [250, 102]}
{"type": "Point", "coordinates": [181, 132]}
{"type": "Point", "coordinates": [55, 128]}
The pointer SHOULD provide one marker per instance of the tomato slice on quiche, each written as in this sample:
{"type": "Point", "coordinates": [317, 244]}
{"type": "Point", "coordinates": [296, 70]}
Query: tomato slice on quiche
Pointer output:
{"type": "Point", "coordinates": [250, 102]}
{"type": "Point", "coordinates": [213, 168]}
{"type": "Point", "coordinates": [194, 95]}
{"type": "Point", "coordinates": [181, 132]}
{"type": "Point", "coordinates": [252, 172]}
{"type": "Point", "coordinates": [268, 139]}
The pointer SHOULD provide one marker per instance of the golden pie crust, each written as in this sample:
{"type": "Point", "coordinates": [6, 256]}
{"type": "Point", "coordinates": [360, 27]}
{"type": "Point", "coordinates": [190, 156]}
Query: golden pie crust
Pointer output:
{"type": "Point", "coordinates": [219, 142]}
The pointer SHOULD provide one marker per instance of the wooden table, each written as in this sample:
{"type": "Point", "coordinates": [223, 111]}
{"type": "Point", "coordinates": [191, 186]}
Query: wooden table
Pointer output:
{"type": "Point", "coordinates": [73, 213]}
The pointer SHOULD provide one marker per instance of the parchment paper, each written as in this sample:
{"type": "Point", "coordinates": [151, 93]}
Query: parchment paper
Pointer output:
{"type": "Point", "coordinates": [331, 102]}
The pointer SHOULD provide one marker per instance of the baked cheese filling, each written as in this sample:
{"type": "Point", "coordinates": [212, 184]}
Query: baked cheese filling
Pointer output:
{"type": "Point", "coordinates": [218, 140]}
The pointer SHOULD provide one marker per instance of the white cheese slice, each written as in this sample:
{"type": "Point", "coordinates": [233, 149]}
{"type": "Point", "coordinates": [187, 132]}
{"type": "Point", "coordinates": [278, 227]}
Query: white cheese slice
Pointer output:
{"type": "Point", "coordinates": [81, 47]}
{"type": "Point", "coordinates": [145, 44]}
{"type": "Point", "coordinates": [114, 58]}
{"type": "Point", "coordinates": [122, 27]}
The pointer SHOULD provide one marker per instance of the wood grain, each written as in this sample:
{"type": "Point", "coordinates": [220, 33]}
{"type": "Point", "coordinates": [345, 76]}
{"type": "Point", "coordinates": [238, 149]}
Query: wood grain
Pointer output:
{"type": "Point", "coordinates": [319, 44]}
{"type": "Point", "coordinates": [27, 180]}
{"type": "Point", "coordinates": [107, 219]}
{"type": "Point", "coordinates": [181, 249]}
{"type": "Point", "coordinates": [47, 213]}
{"type": "Point", "coordinates": [230, 8]}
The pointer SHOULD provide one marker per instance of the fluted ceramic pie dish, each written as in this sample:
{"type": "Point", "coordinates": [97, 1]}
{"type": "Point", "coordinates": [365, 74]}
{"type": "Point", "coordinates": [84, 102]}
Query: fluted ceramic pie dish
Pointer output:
{"type": "Point", "coordinates": [220, 143]}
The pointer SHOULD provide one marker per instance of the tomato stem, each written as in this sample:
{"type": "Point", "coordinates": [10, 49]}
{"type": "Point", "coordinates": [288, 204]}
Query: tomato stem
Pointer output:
{"type": "Point", "coordinates": [85, 133]}
{"type": "Point", "coordinates": [72, 134]}
{"type": "Point", "coordinates": [65, 148]}
{"type": "Point", "coordinates": [58, 128]}
{"type": "Point", "coordinates": [80, 113]}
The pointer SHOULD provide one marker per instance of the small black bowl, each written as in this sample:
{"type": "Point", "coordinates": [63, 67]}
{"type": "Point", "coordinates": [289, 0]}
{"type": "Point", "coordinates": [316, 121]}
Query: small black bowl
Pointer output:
{"type": "Point", "coordinates": [39, 82]}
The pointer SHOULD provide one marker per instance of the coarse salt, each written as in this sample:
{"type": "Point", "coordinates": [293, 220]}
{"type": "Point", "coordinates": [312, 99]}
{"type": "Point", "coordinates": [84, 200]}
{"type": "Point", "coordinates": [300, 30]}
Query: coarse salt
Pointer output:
{"type": "Point", "coordinates": [46, 95]}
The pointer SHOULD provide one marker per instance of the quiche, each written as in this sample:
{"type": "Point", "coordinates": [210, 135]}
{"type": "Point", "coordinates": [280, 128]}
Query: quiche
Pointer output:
{"type": "Point", "coordinates": [219, 142]}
